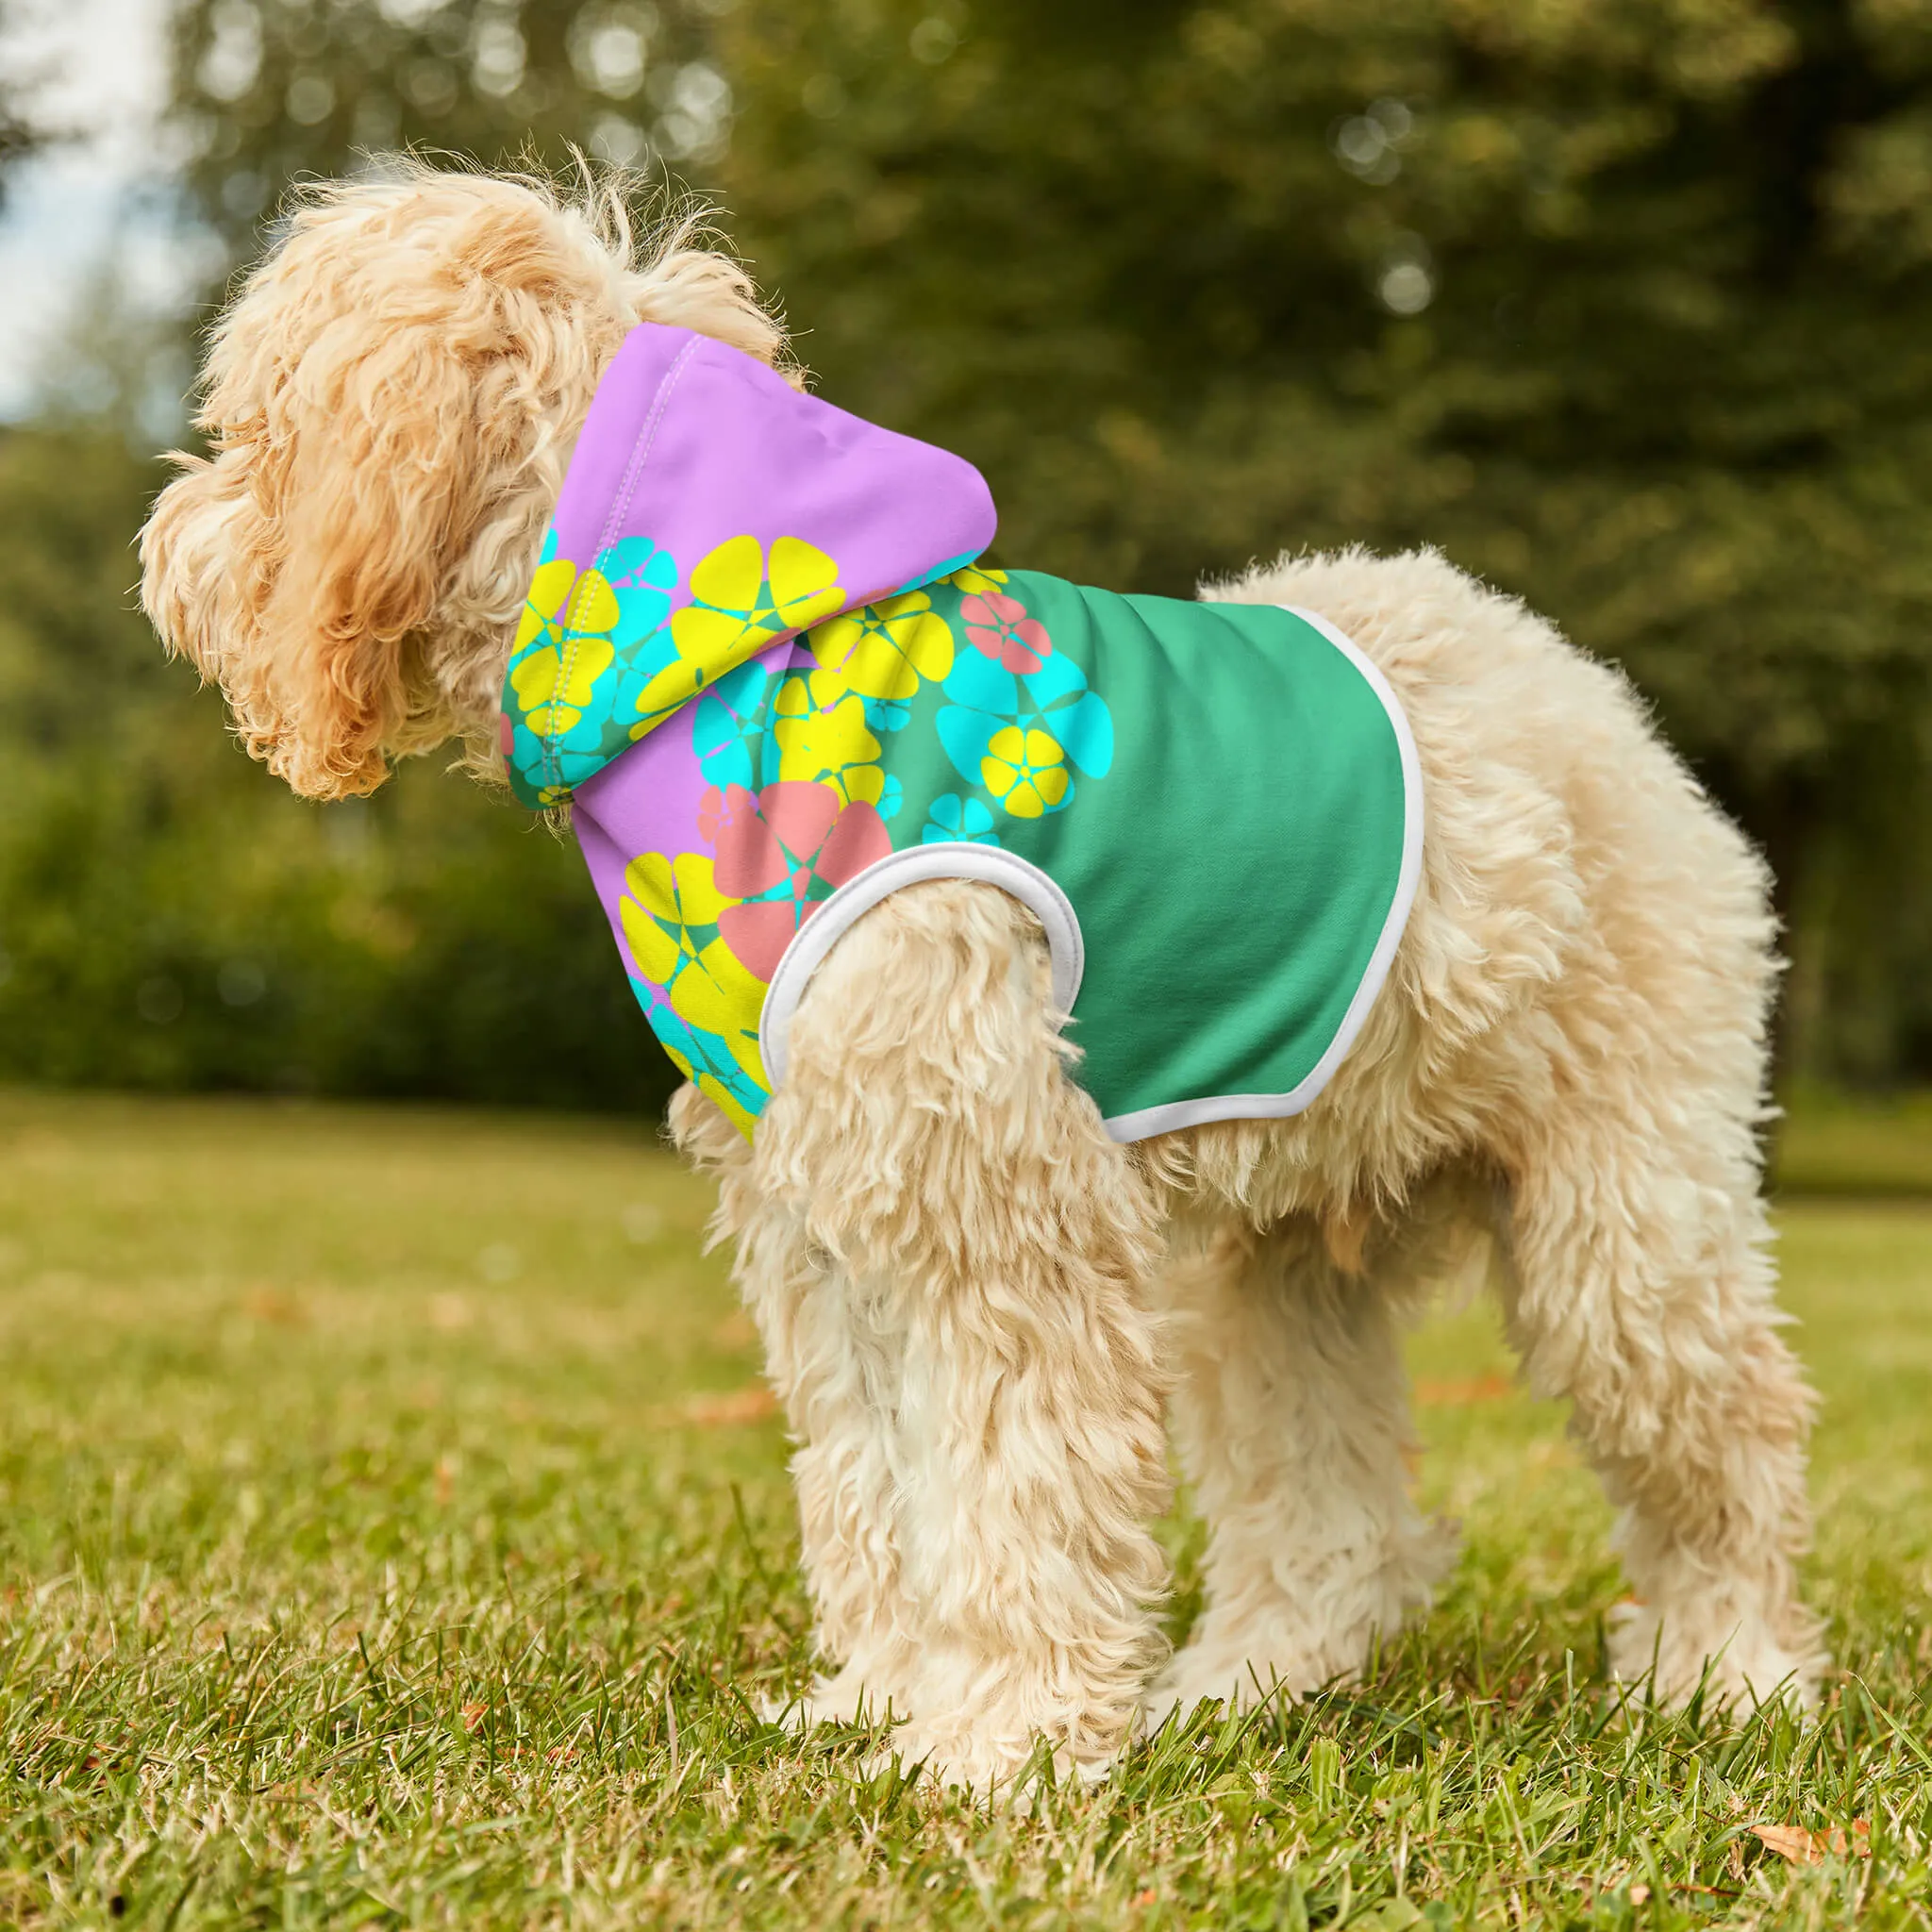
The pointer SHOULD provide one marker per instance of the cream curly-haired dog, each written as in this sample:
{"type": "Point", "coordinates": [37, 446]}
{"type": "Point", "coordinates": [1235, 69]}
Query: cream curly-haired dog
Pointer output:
{"type": "Point", "coordinates": [980, 1309]}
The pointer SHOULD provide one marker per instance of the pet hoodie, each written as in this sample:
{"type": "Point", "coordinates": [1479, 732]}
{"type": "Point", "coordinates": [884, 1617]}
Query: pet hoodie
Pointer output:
{"type": "Point", "coordinates": [760, 661]}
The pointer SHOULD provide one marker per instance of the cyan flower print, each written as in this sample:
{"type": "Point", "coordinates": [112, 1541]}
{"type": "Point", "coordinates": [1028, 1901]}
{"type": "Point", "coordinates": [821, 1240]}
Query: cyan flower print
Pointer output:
{"type": "Point", "coordinates": [727, 723]}
{"type": "Point", "coordinates": [942, 572]}
{"type": "Point", "coordinates": [780, 855]}
{"type": "Point", "coordinates": [642, 578]}
{"type": "Point", "coordinates": [1054, 702]}
{"type": "Point", "coordinates": [953, 819]}
{"type": "Point", "coordinates": [729, 1071]}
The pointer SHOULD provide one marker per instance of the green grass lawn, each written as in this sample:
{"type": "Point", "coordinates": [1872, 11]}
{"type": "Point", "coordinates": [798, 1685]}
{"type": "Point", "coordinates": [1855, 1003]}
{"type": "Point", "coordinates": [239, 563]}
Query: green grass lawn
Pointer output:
{"type": "Point", "coordinates": [391, 1532]}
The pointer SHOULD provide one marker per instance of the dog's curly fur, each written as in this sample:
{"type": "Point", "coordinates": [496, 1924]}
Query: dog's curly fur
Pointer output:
{"type": "Point", "coordinates": [978, 1308]}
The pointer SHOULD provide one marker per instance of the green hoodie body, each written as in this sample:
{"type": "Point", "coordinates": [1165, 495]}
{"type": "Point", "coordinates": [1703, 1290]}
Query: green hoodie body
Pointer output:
{"type": "Point", "coordinates": [1214, 808]}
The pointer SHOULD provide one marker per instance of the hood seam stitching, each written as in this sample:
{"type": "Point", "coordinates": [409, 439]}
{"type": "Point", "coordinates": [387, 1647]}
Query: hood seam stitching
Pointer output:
{"type": "Point", "coordinates": [639, 457]}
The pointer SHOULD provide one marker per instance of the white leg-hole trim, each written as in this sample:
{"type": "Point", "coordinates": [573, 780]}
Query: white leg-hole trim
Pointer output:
{"type": "Point", "coordinates": [947, 859]}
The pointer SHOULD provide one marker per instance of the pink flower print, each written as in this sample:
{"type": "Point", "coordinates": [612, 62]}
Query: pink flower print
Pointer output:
{"type": "Point", "coordinates": [998, 627]}
{"type": "Point", "coordinates": [784, 852]}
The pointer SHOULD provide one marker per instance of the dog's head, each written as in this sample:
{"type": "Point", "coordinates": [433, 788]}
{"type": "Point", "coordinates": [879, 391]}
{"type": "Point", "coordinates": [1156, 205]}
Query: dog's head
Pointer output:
{"type": "Point", "coordinates": [391, 401]}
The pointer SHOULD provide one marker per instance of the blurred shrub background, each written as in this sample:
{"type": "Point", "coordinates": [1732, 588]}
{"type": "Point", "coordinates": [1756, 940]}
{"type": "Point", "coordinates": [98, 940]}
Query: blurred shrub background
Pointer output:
{"type": "Point", "coordinates": [1625, 304]}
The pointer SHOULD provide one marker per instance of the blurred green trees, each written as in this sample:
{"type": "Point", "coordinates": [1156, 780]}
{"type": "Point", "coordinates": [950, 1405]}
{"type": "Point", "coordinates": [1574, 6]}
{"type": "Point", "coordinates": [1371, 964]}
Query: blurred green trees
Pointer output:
{"type": "Point", "coordinates": [19, 134]}
{"type": "Point", "coordinates": [1626, 304]}
{"type": "Point", "coordinates": [169, 916]}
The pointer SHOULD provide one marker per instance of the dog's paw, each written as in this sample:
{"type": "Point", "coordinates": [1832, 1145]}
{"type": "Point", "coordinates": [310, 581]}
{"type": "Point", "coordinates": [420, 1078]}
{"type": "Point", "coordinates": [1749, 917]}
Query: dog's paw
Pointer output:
{"type": "Point", "coordinates": [1000, 1770]}
{"type": "Point", "coordinates": [1739, 1663]}
{"type": "Point", "coordinates": [1288, 1644]}
{"type": "Point", "coordinates": [844, 1699]}
{"type": "Point", "coordinates": [1242, 1678]}
{"type": "Point", "coordinates": [1237, 1686]}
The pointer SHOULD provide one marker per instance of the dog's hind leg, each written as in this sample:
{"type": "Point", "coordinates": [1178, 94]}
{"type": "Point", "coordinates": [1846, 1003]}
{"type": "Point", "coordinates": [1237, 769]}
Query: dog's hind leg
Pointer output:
{"type": "Point", "coordinates": [1640, 1281]}
{"type": "Point", "coordinates": [1643, 1291]}
{"type": "Point", "coordinates": [1291, 1414]}
{"type": "Point", "coordinates": [996, 1248]}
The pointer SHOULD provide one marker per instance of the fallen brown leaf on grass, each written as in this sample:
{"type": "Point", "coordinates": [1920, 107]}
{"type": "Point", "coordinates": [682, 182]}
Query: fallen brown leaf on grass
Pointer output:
{"type": "Point", "coordinates": [1491, 1388]}
{"type": "Point", "coordinates": [749, 1405]}
{"type": "Point", "coordinates": [272, 1304]}
{"type": "Point", "coordinates": [449, 1312]}
{"type": "Point", "coordinates": [474, 1715]}
{"type": "Point", "coordinates": [1802, 1847]}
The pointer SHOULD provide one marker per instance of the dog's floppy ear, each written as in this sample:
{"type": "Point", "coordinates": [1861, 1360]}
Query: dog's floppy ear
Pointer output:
{"type": "Point", "coordinates": [206, 558]}
{"type": "Point", "coordinates": [293, 567]}
{"type": "Point", "coordinates": [380, 401]}
{"type": "Point", "coordinates": [351, 442]}
{"type": "Point", "coordinates": [377, 450]}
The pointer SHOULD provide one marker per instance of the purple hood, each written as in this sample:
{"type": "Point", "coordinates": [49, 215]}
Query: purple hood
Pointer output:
{"type": "Point", "coordinates": [710, 511]}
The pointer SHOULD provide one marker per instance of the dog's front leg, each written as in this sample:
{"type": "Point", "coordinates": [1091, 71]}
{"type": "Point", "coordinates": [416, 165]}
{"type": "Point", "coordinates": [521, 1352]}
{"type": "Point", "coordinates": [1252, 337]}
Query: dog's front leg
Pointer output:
{"type": "Point", "coordinates": [979, 1253]}
{"type": "Point", "coordinates": [831, 1355]}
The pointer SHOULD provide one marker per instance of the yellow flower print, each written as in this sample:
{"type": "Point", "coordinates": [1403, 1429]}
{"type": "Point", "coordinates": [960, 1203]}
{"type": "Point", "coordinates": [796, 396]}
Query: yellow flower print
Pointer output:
{"type": "Point", "coordinates": [554, 685]}
{"type": "Point", "coordinates": [883, 650]}
{"type": "Point", "coordinates": [572, 617]}
{"type": "Point", "coordinates": [975, 581]}
{"type": "Point", "coordinates": [675, 685]}
{"type": "Point", "coordinates": [670, 912]}
{"type": "Point", "coordinates": [548, 589]}
{"type": "Point", "coordinates": [1025, 770]}
{"type": "Point", "coordinates": [726, 1105]}
{"type": "Point", "coordinates": [594, 607]}
{"type": "Point", "coordinates": [740, 599]}
{"type": "Point", "coordinates": [819, 730]}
